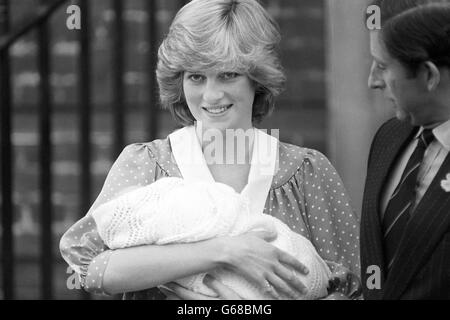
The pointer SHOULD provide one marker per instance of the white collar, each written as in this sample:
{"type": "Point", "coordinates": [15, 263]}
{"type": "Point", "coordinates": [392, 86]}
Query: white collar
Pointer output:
{"type": "Point", "coordinates": [188, 155]}
{"type": "Point", "coordinates": [441, 133]}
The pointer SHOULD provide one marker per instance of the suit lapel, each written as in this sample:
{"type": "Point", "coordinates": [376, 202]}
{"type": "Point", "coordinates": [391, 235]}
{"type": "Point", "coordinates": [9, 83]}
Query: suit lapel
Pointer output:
{"type": "Point", "coordinates": [429, 222]}
{"type": "Point", "coordinates": [386, 150]}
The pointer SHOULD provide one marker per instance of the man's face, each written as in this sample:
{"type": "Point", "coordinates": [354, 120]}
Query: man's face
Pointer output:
{"type": "Point", "coordinates": [407, 94]}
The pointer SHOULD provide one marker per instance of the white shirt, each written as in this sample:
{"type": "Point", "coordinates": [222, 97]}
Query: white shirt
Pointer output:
{"type": "Point", "coordinates": [434, 156]}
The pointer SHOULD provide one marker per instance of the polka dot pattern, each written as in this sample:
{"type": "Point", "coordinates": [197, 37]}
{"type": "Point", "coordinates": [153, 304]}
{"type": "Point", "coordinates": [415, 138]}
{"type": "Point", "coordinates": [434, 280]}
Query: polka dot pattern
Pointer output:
{"type": "Point", "coordinates": [307, 194]}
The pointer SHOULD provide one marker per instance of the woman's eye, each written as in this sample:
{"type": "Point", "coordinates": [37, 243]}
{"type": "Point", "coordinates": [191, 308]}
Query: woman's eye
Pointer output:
{"type": "Point", "coordinates": [196, 77]}
{"type": "Point", "coordinates": [229, 75]}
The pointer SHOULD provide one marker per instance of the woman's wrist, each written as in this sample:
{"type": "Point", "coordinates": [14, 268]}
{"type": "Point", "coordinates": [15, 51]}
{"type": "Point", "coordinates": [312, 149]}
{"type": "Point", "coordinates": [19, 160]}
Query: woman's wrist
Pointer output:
{"type": "Point", "coordinates": [221, 253]}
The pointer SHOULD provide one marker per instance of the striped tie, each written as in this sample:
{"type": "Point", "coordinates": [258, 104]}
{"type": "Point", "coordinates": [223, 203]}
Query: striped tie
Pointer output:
{"type": "Point", "coordinates": [402, 200]}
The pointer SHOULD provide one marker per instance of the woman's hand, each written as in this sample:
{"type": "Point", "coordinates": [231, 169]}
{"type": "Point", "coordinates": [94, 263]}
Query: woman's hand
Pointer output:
{"type": "Point", "coordinates": [251, 256]}
{"type": "Point", "coordinates": [174, 291]}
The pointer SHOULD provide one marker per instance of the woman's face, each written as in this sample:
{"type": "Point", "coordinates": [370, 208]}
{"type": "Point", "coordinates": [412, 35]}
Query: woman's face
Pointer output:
{"type": "Point", "coordinates": [219, 99]}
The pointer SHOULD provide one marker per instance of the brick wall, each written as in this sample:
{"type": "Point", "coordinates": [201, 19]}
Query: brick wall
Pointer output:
{"type": "Point", "coordinates": [300, 113]}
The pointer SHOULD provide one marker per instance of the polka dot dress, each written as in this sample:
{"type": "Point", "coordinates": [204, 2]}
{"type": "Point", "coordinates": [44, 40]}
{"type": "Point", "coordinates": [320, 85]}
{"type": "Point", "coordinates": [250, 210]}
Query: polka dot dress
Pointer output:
{"type": "Point", "coordinates": [306, 193]}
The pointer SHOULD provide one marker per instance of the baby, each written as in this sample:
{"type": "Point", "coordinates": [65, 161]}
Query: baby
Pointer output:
{"type": "Point", "coordinates": [172, 210]}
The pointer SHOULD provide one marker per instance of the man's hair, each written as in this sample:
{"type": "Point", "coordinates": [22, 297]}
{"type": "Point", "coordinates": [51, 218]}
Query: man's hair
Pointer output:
{"type": "Point", "coordinates": [415, 31]}
{"type": "Point", "coordinates": [220, 35]}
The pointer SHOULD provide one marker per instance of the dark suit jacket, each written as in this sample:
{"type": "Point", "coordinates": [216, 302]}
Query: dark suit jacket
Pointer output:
{"type": "Point", "coordinates": [422, 270]}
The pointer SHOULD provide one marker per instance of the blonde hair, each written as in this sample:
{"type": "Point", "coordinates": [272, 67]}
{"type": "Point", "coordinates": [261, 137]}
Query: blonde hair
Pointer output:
{"type": "Point", "coordinates": [224, 35]}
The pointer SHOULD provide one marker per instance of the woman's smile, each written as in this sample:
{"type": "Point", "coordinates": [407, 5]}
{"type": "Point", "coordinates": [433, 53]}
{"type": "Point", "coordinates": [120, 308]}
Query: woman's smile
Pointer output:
{"type": "Point", "coordinates": [217, 110]}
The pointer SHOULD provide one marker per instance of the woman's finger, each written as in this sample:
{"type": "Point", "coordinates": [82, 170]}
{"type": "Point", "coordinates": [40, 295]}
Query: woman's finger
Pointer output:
{"type": "Point", "coordinates": [287, 259]}
{"type": "Point", "coordinates": [281, 286]}
{"type": "Point", "coordinates": [260, 280]}
{"type": "Point", "coordinates": [186, 294]}
{"type": "Point", "coordinates": [224, 292]}
{"type": "Point", "coordinates": [291, 279]}
{"type": "Point", "coordinates": [268, 289]}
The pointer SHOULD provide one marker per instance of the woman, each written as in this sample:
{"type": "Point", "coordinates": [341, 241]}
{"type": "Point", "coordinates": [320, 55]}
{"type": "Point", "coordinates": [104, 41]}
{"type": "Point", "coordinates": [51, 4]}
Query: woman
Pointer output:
{"type": "Point", "coordinates": [218, 73]}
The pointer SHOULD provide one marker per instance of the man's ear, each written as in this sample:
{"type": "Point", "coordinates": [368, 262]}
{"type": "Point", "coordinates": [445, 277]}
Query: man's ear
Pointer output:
{"type": "Point", "coordinates": [432, 75]}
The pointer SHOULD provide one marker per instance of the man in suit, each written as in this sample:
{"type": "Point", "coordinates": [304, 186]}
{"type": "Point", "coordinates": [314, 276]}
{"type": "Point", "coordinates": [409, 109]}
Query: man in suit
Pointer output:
{"type": "Point", "coordinates": [405, 222]}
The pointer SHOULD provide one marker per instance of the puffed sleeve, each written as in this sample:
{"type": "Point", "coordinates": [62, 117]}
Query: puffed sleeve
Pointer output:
{"type": "Point", "coordinates": [333, 225]}
{"type": "Point", "coordinates": [81, 246]}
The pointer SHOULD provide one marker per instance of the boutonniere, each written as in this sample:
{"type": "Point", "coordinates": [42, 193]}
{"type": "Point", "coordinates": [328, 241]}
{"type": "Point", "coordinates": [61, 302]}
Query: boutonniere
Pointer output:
{"type": "Point", "coordinates": [445, 184]}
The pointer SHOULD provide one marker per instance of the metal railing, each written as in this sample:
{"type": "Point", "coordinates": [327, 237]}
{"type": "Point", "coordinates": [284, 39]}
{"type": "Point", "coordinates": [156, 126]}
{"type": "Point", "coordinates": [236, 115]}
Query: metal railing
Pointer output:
{"type": "Point", "coordinates": [8, 38]}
